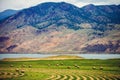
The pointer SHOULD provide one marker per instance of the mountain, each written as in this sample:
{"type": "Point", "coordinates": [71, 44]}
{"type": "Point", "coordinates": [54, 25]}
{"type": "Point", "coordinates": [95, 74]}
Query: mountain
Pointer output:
{"type": "Point", "coordinates": [62, 27]}
{"type": "Point", "coordinates": [7, 13]}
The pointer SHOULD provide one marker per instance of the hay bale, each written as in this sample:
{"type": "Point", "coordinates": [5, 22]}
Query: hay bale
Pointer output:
{"type": "Point", "coordinates": [21, 74]}
{"type": "Point", "coordinates": [8, 73]}
{"type": "Point", "coordinates": [30, 66]}
{"type": "Point", "coordinates": [57, 64]}
{"type": "Point", "coordinates": [68, 67]}
{"type": "Point", "coordinates": [14, 73]}
{"type": "Point", "coordinates": [49, 64]}
{"type": "Point", "coordinates": [11, 65]}
{"type": "Point", "coordinates": [101, 68]}
{"type": "Point", "coordinates": [3, 73]}
{"type": "Point", "coordinates": [11, 73]}
{"type": "Point", "coordinates": [22, 71]}
{"type": "Point", "coordinates": [17, 70]}
{"type": "Point", "coordinates": [77, 66]}
{"type": "Point", "coordinates": [0, 73]}
{"type": "Point", "coordinates": [94, 68]}
{"type": "Point", "coordinates": [61, 63]}
{"type": "Point", "coordinates": [23, 65]}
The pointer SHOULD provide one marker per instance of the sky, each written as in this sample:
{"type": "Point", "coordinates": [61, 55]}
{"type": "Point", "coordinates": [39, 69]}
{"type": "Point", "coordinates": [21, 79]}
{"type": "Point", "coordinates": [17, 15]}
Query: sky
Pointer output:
{"type": "Point", "coordinates": [20, 4]}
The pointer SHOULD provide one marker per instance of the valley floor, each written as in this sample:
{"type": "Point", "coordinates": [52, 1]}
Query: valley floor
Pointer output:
{"type": "Point", "coordinates": [70, 69]}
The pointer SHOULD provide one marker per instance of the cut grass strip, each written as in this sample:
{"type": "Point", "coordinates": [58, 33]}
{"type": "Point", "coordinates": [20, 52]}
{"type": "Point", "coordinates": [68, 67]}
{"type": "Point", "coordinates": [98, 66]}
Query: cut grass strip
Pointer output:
{"type": "Point", "coordinates": [107, 78]}
{"type": "Point", "coordinates": [71, 77]}
{"type": "Point", "coordinates": [52, 77]}
{"type": "Point", "coordinates": [81, 78]}
{"type": "Point", "coordinates": [61, 77]}
{"type": "Point", "coordinates": [77, 77]}
{"type": "Point", "coordinates": [100, 78]}
{"type": "Point", "coordinates": [90, 77]}
{"type": "Point", "coordinates": [68, 77]}
{"type": "Point", "coordinates": [74, 77]}
{"type": "Point", "coordinates": [84, 77]}
{"type": "Point", "coordinates": [87, 77]}
{"type": "Point", "coordinates": [65, 77]}
{"type": "Point", "coordinates": [114, 78]}
{"type": "Point", "coordinates": [58, 77]}
{"type": "Point", "coordinates": [94, 77]}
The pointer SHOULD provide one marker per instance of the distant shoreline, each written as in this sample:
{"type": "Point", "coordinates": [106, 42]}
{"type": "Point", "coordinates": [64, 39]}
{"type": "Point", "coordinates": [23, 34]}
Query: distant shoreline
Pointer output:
{"type": "Point", "coordinates": [86, 56]}
{"type": "Point", "coordinates": [74, 52]}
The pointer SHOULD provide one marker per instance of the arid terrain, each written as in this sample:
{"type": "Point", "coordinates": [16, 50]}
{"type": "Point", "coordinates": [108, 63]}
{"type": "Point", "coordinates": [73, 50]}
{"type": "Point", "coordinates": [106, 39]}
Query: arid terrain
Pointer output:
{"type": "Point", "coordinates": [62, 27]}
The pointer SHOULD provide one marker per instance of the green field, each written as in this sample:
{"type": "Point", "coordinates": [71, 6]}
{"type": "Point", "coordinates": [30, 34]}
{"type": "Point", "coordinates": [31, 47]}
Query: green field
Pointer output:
{"type": "Point", "coordinates": [69, 69]}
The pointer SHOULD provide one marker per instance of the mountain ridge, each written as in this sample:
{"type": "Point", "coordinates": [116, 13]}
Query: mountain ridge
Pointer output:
{"type": "Point", "coordinates": [55, 27]}
{"type": "Point", "coordinates": [7, 13]}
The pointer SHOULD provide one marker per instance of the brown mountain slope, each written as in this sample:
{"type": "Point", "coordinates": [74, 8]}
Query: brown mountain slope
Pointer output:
{"type": "Point", "coordinates": [62, 27]}
{"type": "Point", "coordinates": [26, 39]}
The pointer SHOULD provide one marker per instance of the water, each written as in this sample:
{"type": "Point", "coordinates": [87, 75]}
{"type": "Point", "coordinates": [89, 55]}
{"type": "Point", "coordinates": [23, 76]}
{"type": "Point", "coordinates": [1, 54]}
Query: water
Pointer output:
{"type": "Point", "coordinates": [86, 56]}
